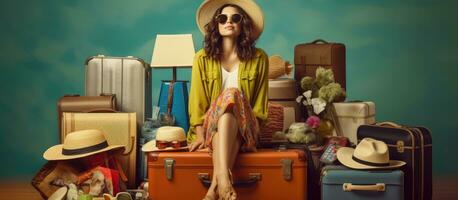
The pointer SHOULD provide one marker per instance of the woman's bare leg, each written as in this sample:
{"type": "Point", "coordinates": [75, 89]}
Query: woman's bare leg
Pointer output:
{"type": "Point", "coordinates": [225, 149]}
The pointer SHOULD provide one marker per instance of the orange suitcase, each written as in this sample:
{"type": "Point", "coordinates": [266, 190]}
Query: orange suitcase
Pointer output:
{"type": "Point", "coordinates": [266, 174]}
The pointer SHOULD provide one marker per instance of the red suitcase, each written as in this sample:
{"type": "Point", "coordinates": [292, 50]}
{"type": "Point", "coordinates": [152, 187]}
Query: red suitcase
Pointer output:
{"type": "Point", "coordinates": [266, 174]}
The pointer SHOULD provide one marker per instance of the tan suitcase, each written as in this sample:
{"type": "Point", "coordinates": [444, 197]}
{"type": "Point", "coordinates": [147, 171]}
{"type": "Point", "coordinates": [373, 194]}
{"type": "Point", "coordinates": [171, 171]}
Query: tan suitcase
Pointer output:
{"type": "Point", "coordinates": [120, 128]}
{"type": "Point", "coordinates": [77, 103]}
{"type": "Point", "coordinates": [266, 174]}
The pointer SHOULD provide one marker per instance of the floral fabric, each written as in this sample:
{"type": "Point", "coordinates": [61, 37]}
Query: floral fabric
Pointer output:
{"type": "Point", "coordinates": [232, 100]}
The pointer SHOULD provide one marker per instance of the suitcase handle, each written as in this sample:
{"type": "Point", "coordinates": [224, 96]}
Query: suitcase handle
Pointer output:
{"type": "Point", "coordinates": [319, 41]}
{"type": "Point", "coordinates": [390, 124]}
{"type": "Point", "coordinates": [348, 187]}
{"type": "Point", "coordinates": [253, 179]}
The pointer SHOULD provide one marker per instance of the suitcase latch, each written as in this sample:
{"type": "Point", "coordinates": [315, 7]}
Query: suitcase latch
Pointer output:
{"type": "Point", "coordinates": [286, 168]}
{"type": "Point", "coordinates": [169, 164]}
{"type": "Point", "coordinates": [400, 146]}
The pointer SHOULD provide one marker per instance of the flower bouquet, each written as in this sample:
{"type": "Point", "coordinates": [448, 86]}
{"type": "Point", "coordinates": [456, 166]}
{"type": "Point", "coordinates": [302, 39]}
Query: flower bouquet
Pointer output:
{"type": "Point", "coordinates": [318, 95]}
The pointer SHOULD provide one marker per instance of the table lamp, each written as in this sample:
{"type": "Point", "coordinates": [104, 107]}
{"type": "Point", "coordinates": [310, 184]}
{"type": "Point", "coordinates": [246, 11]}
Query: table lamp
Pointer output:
{"type": "Point", "coordinates": [172, 51]}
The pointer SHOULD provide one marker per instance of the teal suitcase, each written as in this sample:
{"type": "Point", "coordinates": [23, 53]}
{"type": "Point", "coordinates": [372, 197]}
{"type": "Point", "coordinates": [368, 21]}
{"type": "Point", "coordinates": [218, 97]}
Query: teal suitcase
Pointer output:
{"type": "Point", "coordinates": [338, 182]}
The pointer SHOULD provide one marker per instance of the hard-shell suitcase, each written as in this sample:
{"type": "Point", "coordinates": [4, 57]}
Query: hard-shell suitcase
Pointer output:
{"type": "Point", "coordinates": [338, 182]}
{"type": "Point", "coordinates": [412, 145]}
{"type": "Point", "coordinates": [266, 174]}
{"type": "Point", "coordinates": [309, 56]}
{"type": "Point", "coordinates": [351, 115]}
{"type": "Point", "coordinates": [77, 103]}
{"type": "Point", "coordinates": [120, 129]}
{"type": "Point", "coordinates": [129, 78]}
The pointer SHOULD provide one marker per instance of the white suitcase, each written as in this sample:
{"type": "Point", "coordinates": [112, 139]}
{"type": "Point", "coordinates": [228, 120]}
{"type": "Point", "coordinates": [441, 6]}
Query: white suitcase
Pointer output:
{"type": "Point", "coordinates": [351, 115]}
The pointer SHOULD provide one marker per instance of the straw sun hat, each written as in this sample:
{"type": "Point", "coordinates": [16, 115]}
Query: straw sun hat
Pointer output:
{"type": "Point", "coordinates": [167, 136]}
{"type": "Point", "coordinates": [368, 154]}
{"type": "Point", "coordinates": [80, 144]}
{"type": "Point", "coordinates": [208, 8]}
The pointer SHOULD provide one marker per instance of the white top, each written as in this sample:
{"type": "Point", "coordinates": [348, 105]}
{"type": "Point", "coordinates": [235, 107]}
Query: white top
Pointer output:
{"type": "Point", "coordinates": [230, 79]}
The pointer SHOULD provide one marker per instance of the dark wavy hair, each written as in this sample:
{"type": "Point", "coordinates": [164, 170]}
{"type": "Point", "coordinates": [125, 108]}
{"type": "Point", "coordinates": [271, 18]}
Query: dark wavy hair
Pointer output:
{"type": "Point", "coordinates": [245, 44]}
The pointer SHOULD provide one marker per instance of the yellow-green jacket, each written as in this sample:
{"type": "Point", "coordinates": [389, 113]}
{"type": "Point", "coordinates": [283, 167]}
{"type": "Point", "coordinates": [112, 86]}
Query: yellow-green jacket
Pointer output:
{"type": "Point", "coordinates": [206, 86]}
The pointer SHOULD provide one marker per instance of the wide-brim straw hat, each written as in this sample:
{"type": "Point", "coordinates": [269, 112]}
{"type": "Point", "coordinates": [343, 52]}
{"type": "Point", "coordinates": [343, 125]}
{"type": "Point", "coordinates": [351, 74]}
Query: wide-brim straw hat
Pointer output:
{"type": "Point", "coordinates": [166, 134]}
{"type": "Point", "coordinates": [80, 144]}
{"type": "Point", "coordinates": [368, 154]}
{"type": "Point", "coordinates": [208, 8]}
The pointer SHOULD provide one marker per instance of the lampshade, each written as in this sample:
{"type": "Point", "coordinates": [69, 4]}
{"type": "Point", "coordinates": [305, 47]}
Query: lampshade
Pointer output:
{"type": "Point", "coordinates": [173, 51]}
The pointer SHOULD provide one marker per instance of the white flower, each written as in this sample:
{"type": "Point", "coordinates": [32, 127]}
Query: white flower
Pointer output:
{"type": "Point", "coordinates": [308, 94]}
{"type": "Point", "coordinates": [318, 105]}
{"type": "Point", "coordinates": [299, 99]}
{"type": "Point", "coordinates": [305, 103]}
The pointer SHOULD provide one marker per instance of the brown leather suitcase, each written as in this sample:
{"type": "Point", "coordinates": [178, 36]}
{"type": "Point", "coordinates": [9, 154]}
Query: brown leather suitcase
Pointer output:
{"type": "Point", "coordinates": [309, 56]}
{"type": "Point", "coordinates": [266, 174]}
{"type": "Point", "coordinates": [77, 103]}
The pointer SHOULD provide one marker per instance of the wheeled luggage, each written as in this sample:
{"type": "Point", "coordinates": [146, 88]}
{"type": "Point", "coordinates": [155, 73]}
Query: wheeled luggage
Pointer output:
{"type": "Point", "coordinates": [266, 174]}
{"type": "Point", "coordinates": [351, 115]}
{"type": "Point", "coordinates": [338, 182]}
{"type": "Point", "coordinates": [120, 129]}
{"type": "Point", "coordinates": [129, 78]}
{"type": "Point", "coordinates": [319, 53]}
{"type": "Point", "coordinates": [77, 103]}
{"type": "Point", "coordinates": [412, 145]}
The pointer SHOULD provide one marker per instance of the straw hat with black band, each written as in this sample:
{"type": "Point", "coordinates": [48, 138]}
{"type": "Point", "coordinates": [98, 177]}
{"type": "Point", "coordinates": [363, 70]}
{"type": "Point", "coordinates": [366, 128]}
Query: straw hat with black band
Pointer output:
{"type": "Point", "coordinates": [80, 144]}
{"type": "Point", "coordinates": [368, 154]}
{"type": "Point", "coordinates": [208, 8]}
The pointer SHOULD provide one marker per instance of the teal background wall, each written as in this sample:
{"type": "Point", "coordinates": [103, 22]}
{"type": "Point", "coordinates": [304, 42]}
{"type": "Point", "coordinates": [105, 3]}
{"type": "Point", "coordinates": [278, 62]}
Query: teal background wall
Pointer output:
{"type": "Point", "coordinates": [401, 54]}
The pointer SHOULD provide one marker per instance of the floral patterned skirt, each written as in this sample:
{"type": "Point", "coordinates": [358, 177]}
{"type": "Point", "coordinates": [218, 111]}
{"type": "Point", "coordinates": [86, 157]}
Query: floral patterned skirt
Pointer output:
{"type": "Point", "coordinates": [232, 100]}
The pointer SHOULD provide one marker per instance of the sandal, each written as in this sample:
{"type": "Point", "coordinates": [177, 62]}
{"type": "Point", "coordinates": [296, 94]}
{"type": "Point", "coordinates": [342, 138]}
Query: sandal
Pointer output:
{"type": "Point", "coordinates": [228, 193]}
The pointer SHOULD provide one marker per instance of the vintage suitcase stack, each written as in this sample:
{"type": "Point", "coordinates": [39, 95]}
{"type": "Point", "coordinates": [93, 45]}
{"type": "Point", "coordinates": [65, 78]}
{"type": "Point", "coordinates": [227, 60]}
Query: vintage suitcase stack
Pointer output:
{"type": "Point", "coordinates": [77, 103]}
{"type": "Point", "coordinates": [266, 174]}
{"type": "Point", "coordinates": [129, 78]}
{"type": "Point", "coordinates": [412, 145]}
{"type": "Point", "coordinates": [319, 53]}
{"type": "Point", "coordinates": [342, 183]}
{"type": "Point", "coordinates": [283, 91]}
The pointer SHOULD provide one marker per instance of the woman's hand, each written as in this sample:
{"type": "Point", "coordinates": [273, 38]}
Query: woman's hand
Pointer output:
{"type": "Point", "coordinates": [199, 143]}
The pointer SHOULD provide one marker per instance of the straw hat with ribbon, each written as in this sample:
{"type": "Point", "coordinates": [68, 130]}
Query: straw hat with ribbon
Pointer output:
{"type": "Point", "coordinates": [80, 144]}
{"type": "Point", "coordinates": [168, 138]}
{"type": "Point", "coordinates": [208, 8]}
{"type": "Point", "coordinates": [368, 154]}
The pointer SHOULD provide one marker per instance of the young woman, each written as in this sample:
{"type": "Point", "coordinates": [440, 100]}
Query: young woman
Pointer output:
{"type": "Point", "coordinates": [228, 97]}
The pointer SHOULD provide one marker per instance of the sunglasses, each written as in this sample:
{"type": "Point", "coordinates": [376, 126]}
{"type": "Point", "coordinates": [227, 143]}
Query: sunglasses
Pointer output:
{"type": "Point", "coordinates": [174, 144]}
{"type": "Point", "coordinates": [222, 18]}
